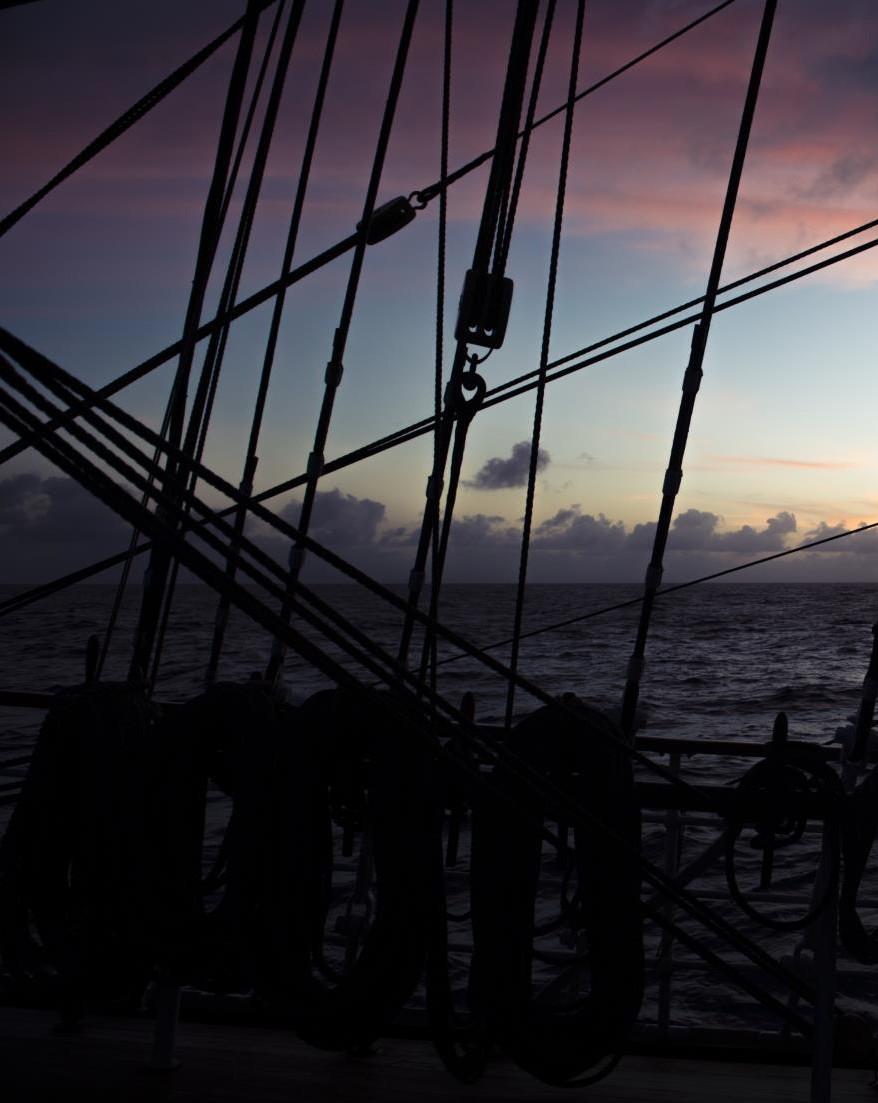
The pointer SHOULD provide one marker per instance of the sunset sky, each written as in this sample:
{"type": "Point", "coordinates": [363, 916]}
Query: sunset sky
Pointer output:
{"type": "Point", "coordinates": [783, 445]}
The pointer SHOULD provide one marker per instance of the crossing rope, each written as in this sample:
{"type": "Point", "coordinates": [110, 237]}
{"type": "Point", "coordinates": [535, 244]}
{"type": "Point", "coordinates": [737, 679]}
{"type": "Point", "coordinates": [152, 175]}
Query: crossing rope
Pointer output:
{"type": "Point", "coordinates": [692, 378]}
{"type": "Point", "coordinates": [335, 366]}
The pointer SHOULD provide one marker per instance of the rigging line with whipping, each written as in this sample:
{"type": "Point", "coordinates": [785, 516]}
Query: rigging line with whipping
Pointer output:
{"type": "Point", "coordinates": [155, 577]}
{"type": "Point", "coordinates": [134, 113]}
{"type": "Point", "coordinates": [503, 239]}
{"type": "Point", "coordinates": [693, 374]}
{"type": "Point", "coordinates": [213, 356]}
{"type": "Point", "coordinates": [481, 318]}
{"type": "Point", "coordinates": [548, 314]}
{"type": "Point", "coordinates": [251, 458]}
{"type": "Point", "coordinates": [335, 367]}
{"type": "Point", "coordinates": [202, 406]}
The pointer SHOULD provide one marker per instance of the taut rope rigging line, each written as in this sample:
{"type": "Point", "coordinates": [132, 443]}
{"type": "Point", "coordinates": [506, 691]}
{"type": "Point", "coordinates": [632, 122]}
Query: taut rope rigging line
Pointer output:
{"type": "Point", "coordinates": [251, 458]}
{"type": "Point", "coordinates": [199, 417]}
{"type": "Point", "coordinates": [429, 652]}
{"type": "Point", "coordinates": [502, 242]}
{"type": "Point", "coordinates": [475, 322]}
{"type": "Point", "coordinates": [692, 377]}
{"type": "Point", "coordinates": [544, 358]}
{"type": "Point", "coordinates": [335, 366]}
{"type": "Point", "coordinates": [159, 563]}
{"type": "Point", "coordinates": [144, 105]}
{"type": "Point", "coordinates": [203, 404]}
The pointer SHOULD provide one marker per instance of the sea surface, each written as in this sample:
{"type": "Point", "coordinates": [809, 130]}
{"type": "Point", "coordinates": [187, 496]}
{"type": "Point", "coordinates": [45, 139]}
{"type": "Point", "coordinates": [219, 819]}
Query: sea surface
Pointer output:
{"type": "Point", "coordinates": [722, 661]}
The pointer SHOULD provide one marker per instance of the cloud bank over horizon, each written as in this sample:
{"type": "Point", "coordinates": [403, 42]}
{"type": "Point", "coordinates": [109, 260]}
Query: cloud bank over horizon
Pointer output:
{"type": "Point", "coordinates": [49, 525]}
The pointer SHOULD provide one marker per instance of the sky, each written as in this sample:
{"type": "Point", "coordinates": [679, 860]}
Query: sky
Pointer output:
{"type": "Point", "coordinates": [782, 447]}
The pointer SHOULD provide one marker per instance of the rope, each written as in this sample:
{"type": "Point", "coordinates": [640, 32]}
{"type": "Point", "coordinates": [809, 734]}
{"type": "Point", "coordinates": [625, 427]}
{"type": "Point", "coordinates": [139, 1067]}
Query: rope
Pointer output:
{"type": "Point", "coordinates": [122, 584]}
{"type": "Point", "coordinates": [866, 708]}
{"type": "Point", "coordinates": [692, 378]}
{"type": "Point", "coordinates": [544, 357]}
{"type": "Point", "coordinates": [128, 119]}
{"type": "Point", "coordinates": [457, 411]}
{"type": "Point", "coordinates": [432, 190]}
{"type": "Point", "coordinates": [251, 458]}
{"type": "Point", "coordinates": [199, 418]}
{"type": "Point", "coordinates": [209, 368]}
{"type": "Point", "coordinates": [159, 563]}
{"type": "Point", "coordinates": [504, 233]}
{"type": "Point", "coordinates": [20, 419]}
{"type": "Point", "coordinates": [430, 652]}
{"type": "Point", "coordinates": [335, 367]}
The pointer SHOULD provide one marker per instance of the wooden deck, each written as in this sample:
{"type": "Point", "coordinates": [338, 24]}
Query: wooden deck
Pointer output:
{"type": "Point", "coordinates": [107, 1062]}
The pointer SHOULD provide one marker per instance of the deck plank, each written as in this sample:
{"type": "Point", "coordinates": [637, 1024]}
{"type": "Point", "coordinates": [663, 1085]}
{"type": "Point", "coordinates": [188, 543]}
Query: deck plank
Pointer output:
{"type": "Point", "coordinates": [107, 1062]}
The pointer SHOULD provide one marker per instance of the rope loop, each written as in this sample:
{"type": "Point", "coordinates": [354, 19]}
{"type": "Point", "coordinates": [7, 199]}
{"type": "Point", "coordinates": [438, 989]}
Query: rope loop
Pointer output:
{"type": "Point", "coordinates": [773, 796]}
{"type": "Point", "coordinates": [422, 198]}
{"type": "Point", "coordinates": [465, 409]}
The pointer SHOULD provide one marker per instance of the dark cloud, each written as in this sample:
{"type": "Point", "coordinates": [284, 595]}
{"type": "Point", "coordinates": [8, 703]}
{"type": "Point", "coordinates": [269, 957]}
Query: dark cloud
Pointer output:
{"type": "Point", "coordinates": [51, 525]}
{"type": "Point", "coordinates": [840, 177]}
{"type": "Point", "coordinates": [498, 473]}
{"type": "Point", "coordinates": [22, 499]}
{"type": "Point", "coordinates": [479, 530]}
{"type": "Point", "coordinates": [341, 520]}
{"type": "Point", "coordinates": [572, 530]}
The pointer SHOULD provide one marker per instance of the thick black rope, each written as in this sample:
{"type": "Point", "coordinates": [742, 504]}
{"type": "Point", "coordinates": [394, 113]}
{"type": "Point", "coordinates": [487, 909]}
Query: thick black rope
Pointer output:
{"type": "Point", "coordinates": [199, 418]}
{"type": "Point", "coordinates": [206, 389]}
{"type": "Point", "coordinates": [692, 377]}
{"type": "Point", "coordinates": [127, 120]}
{"type": "Point", "coordinates": [507, 223]}
{"type": "Point", "coordinates": [200, 409]}
{"type": "Point", "coordinates": [544, 359]}
{"type": "Point", "coordinates": [122, 584]}
{"type": "Point", "coordinates": [157, 94]}
{"type": "Point", "coordinates": [335, 366]}
{"type": "Point", "coordinates": [430, 647]}
{"type": "Point", "coordinates": [432, 190]}
{"type": "Point", "coordinates": [866, 707]}
{"type": "Point", "coordinates": [117, 499]}
{"type": "Point", "coordinates": [211, 228]}
{"type": "Point", "coordinates": [455, 406]}
{"type": "Point", "coordinates": [251, 458]}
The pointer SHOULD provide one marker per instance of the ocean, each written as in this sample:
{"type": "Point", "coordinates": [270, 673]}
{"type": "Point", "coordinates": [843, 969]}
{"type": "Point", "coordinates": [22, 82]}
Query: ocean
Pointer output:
{"type": "Point", "coordinates": [722, 660]}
